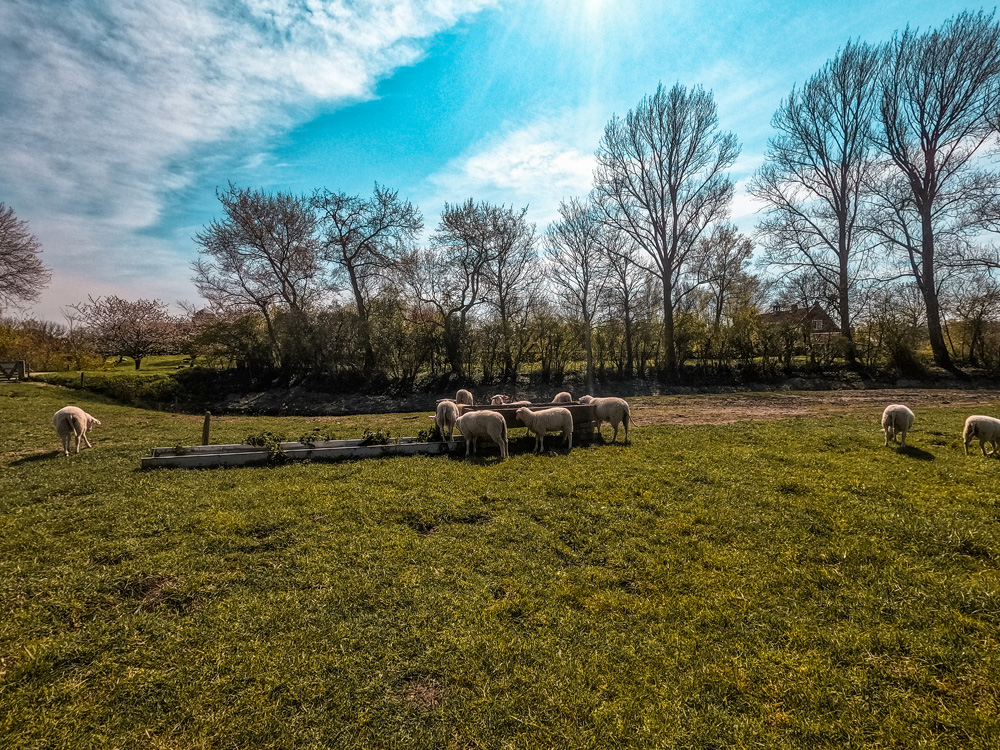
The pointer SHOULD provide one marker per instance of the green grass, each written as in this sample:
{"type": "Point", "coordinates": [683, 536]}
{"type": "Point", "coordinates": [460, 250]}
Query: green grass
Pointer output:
{"type": "Point", "coordinates": [791, 584]}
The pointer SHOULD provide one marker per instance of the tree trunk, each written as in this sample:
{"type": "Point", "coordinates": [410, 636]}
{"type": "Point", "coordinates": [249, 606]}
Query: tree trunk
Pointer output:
{"type": "Point", "coordinates": [845, 311]}
{"type": "Point", "coordinates": [364, 327]}
{"type": "Point", "coordinates": [929, 290]}
{"type": "Point", "coordinates": [669, 352]}
{"type": "Point", "coordinates": [629, 355]}
{"type": "Point", "coordinates": [588, 338]}
{"type": "Point", "coordinates": [138, 361]}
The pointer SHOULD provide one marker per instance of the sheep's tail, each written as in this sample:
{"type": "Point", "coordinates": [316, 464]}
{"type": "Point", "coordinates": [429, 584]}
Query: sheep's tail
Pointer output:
{"type": "Point", "coordinates": [628, 414]}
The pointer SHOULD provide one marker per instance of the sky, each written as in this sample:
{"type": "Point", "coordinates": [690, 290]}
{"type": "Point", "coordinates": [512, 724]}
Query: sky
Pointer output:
{"type": "Point", "coordinates": [120, 119]}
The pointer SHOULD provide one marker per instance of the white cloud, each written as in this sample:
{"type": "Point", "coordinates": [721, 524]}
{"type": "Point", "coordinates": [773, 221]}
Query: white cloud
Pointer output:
{"type": "Point", "coordinates": [537, 165]}
{"type": "Point", "coordinates": [108, 106]}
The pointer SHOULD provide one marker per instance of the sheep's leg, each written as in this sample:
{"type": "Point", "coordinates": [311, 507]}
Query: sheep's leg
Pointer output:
{"type": "Point", "coordinates": [87, 441]}
{"type": "Point", "coordinates": [625, 425]}
{"type": "Point", "coordinates": [904, 438]}
{"type": "Point", "coordinates": [569, 439]}
{"type": "Point", "coordinates": [540, 442]}
{"type": "Point", "coordinates": [615, 437]}
{"type": "Point", "coordinates": [982, 446]}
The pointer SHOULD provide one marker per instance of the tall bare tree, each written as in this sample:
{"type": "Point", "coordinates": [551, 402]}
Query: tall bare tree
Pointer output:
{"type": "Point", "coordinates": [939, 91]}
{"type": "Point", "coordinates": [22, 275]}
{"type": "Point", "coordinates": [814, 178]}
{"type": "Point", "coordinates": [263, 254]}
{"type": "Point", "coordinates": [512, 280]}
{"type": "Point", "coordinates": [661, 177]}
{"type": "Point", "coordinates": [623, 292]}
{"type": "Point", "coordinates": [451, 276]}
{"type": "Point", "coordinates": [723, 257]}
{"type": "Point", "coordinates": [577, 268]}
{"type": "Point", "coordinates": [362, 237]}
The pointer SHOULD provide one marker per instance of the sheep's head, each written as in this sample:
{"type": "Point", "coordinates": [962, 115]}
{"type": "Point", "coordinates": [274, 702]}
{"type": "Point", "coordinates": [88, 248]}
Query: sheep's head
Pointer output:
{"type": "Point", "coordinates": [586, 399]}
{"type": "Point", "coordinates": [498, 400]}
{"type": "Point", "coordinates": [521, 412]}
{"type": "Point", "coordinates": [91, 423]}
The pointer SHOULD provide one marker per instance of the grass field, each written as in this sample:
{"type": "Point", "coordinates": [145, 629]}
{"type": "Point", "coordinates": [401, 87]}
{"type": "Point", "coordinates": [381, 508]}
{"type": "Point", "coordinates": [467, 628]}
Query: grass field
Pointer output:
{"type": "Point", "coordinates": [782, 584]}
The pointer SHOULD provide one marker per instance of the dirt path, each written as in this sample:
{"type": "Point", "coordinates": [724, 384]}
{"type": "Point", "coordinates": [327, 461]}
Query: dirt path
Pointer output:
{"type": "Point", "coordinates": [723, 408]}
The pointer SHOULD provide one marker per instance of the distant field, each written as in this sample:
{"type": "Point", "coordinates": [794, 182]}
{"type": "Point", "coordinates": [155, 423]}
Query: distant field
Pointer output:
{"type": "Point", "coordinates": [785, 583]}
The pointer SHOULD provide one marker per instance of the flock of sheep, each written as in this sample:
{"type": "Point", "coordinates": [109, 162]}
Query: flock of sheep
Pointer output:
{"type": "Point", "coordinates": [486, 423]}
{"type": "Point", "coordinates": [897, 419]}
{"type": "Point", "coordinates": [73, 422]}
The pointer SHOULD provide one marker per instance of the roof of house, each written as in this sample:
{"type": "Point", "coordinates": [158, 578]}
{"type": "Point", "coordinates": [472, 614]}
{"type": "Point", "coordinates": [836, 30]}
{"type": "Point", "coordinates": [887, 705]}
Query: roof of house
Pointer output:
{"type": "Point", "coordinates": [796, 315]}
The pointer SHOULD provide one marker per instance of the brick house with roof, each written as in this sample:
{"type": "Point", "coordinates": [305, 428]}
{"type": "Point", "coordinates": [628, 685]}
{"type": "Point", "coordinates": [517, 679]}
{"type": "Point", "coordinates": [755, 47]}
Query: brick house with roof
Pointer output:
{"type": "Point", "coordinates": [811, 321]}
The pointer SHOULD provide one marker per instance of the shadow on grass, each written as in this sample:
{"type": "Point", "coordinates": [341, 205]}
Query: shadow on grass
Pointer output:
{"type": "Point", "coordinates": [917, 453]}
{"type": "Point", "coordinates": [36, 457]}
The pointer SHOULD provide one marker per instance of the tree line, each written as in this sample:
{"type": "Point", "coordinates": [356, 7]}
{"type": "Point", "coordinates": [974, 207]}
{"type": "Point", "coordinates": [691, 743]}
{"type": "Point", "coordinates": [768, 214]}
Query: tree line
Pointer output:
{"type": "Point", "coordinates": [878, 198]}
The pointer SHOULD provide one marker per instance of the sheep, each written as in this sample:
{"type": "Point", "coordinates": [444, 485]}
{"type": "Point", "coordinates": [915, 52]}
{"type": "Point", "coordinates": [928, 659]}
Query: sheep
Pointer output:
{"type": "Point", "coordinates": [72, 421]}
{"type": "Point", "coordinates": [499, 400]}
{"type": "Point", "coordinates": [563, 398]}
{"type": "Point", "coordinates": [586, 399]}
{"type": "Point", "coordinates": [464, 397]}
{"type": "Point", "coordinates": [614, 411]}
{"type": "Point", "coordinates": [896, 419]}
{"type": "Point", "coordinates": [485, 423]}
{"type": "Point", "coordinates": [447, 412]}
{"type": "Point", "coordinates": [547, 420]}
{"type": "Point", "coordinates": [987, 429]}
{"type": "Point", "coordinates": [518, 403]}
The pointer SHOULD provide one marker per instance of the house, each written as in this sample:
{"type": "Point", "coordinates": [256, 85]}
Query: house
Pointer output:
{"type": "Point", "coordinates": [811, 321]}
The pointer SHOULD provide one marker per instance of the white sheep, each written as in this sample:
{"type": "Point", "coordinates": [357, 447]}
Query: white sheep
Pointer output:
{"type": "Point", "coordinates": [614, 411]}
{"type": "Point", "coordinates": [586, 399]}
{"type": "Point", "coordinates": [464, 397]}
{"type": "Point", "coordinates": [485, 423]}
{"type": "Point", "coordinates": [563, 398]}
{"type": "Point", "coordinates": [986, 429]}
{"type": "Point", "coordinates": [544, 421]}
{"type": "Point", "coordinates": [499, 400]}
{"type": "Point", "coordinates": [896, 420]}
{"type": "Point", "coordinates": [72, 421]}
{"type": "Point", "coordinates": [447, 413]}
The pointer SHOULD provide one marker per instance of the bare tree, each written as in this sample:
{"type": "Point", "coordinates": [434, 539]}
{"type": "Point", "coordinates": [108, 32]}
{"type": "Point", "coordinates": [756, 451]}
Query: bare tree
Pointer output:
{"type": "Point", "coordinates": [661, 178]}
{"type": "Point", "coordinates": [623, 292]}
{"type": "Point", "coordinates": [362, 237]}
{"type": "Point", "coordinates": [451, 275]}
{"type": "Point", "coordinates": [577, 268]}
{"type": "Point", "coordinates": [126, 328]}
{"type": "Point", "coordinates": [263, 254]}
{"type": "Point", "coordinates": [512, 281]}
{"type": "Point", "coordinates": [722, 268]}
{"type": "Point", "coordinates": [813, 181]}
{"type": "Point", "coordinates": [22, 275]}
{"type": "Point", "coordinates": [939, 91]}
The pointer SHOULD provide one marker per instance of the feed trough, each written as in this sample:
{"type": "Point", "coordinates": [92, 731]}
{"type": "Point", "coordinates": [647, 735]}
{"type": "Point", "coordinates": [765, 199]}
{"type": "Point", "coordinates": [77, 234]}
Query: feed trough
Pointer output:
{"type": "Point", "coordinates": [207, 456]}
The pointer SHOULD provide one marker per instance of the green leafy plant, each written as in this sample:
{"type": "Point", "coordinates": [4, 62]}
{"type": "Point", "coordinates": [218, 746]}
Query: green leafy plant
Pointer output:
{"type": "Point", "coordinates": [272, 441]}
{"type": "Point", "coordinates": [376, 437]}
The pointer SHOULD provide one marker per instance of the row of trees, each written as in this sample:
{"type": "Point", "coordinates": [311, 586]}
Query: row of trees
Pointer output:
{"type": "Point", "coordinates": [880, 180]}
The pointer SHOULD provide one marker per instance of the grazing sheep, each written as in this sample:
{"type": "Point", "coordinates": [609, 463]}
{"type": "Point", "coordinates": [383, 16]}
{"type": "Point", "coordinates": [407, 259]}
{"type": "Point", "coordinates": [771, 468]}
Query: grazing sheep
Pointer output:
{"type": "Point", "coordinates": [563, 398]}
{"type": "Point", "coordinates": [547, 420]}
{"type": "Point", "coordinates": [586, 399]}
{"type": "Point", "coordinates": [986, 429]}
{"type": "Point", "coordinates": [896, 419]}
{"type": "Point", "coordinates": [447, 412]}
{"type": "Point", "coordinates": [488, 424]}
{"type": "Point", "coordinates": [464, 397]}
{"type": "Point", "coordinates": [614, 411]}
{"type": "Point", "coordinates": [72, 421]}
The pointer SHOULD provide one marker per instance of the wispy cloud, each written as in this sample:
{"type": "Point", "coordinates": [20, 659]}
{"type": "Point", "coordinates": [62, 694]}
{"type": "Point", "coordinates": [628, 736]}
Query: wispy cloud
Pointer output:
{"type": "Point", "coordinates": [538, 165]}
{"type": "Point", "coordinates": [107, 106]}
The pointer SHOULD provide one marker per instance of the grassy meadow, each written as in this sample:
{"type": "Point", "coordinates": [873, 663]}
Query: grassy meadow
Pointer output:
{"type": "Point", "coordinates": [791, 584]}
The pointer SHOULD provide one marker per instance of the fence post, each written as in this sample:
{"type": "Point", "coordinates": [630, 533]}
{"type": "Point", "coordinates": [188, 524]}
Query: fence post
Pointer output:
{"type": "Point", "coordinates": [205, 429]}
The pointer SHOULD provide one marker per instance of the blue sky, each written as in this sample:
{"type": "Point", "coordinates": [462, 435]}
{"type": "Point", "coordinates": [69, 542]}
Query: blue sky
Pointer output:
{"type": "Point", "coordinates": [118, 120]}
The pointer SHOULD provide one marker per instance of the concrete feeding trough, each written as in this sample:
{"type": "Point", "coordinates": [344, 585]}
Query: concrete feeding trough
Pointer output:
{"type": "Point", "coordinates": [208, 456]}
